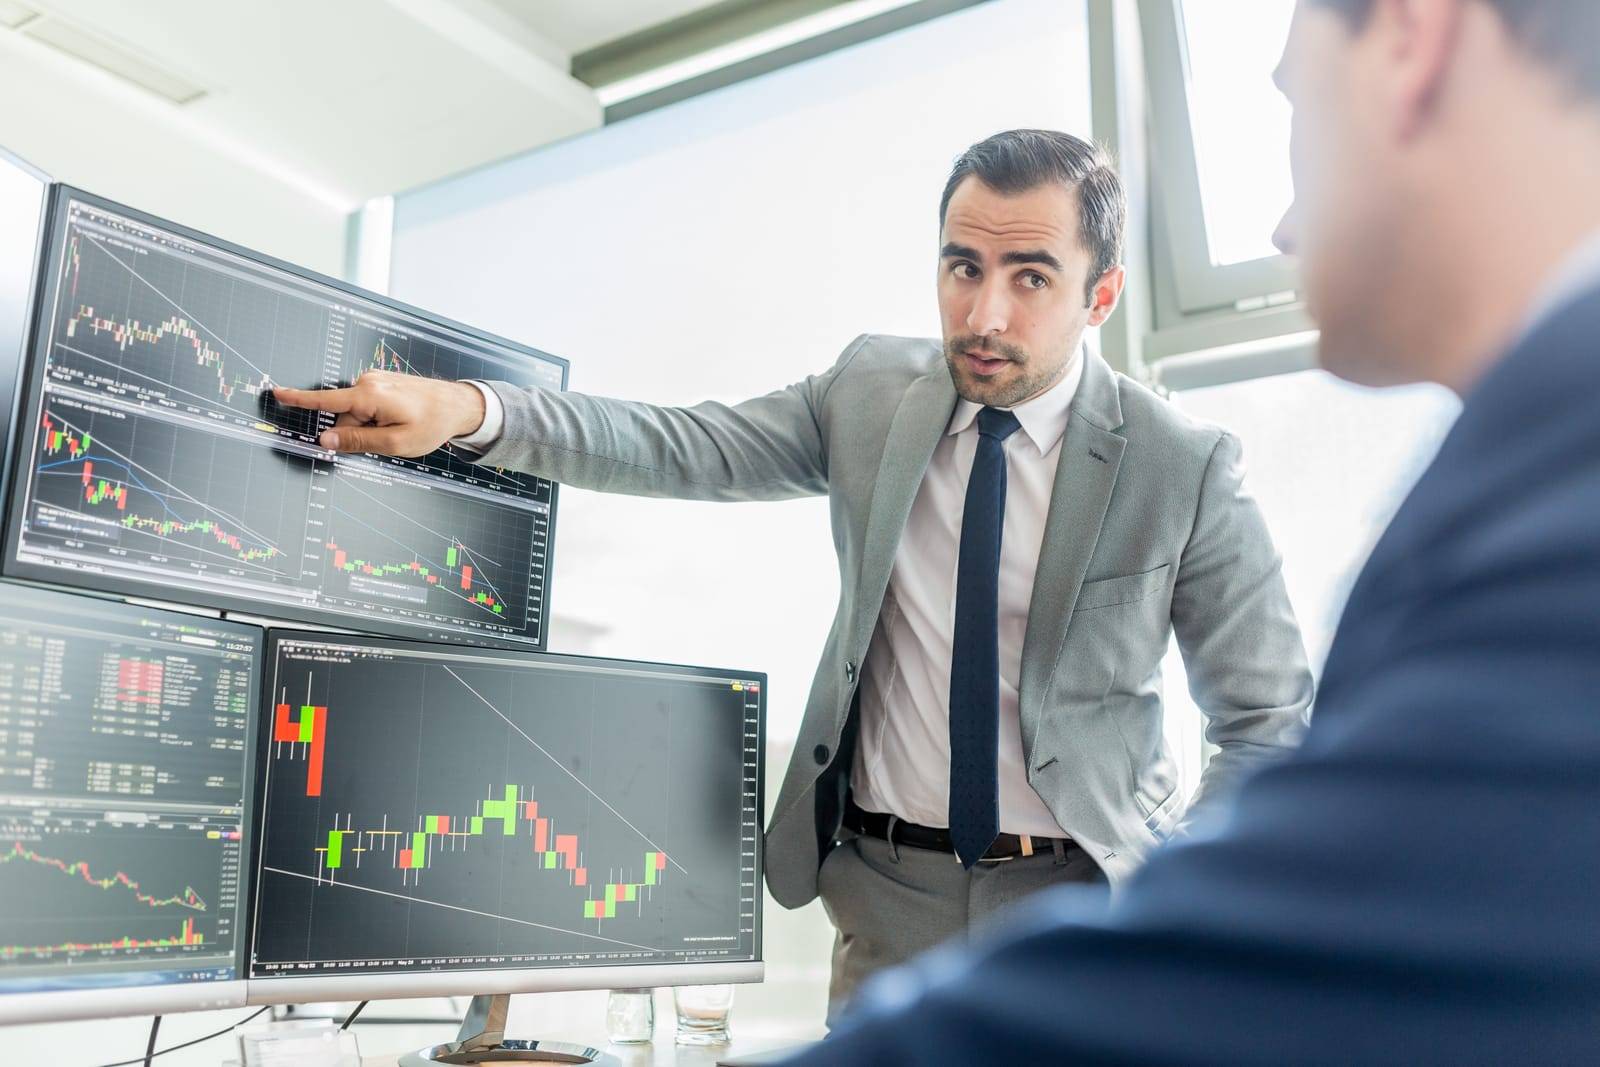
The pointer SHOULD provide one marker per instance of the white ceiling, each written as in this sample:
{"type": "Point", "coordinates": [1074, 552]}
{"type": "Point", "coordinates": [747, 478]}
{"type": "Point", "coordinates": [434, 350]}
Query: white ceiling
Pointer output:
{"type": "Point", "coordinates": [353, 98]}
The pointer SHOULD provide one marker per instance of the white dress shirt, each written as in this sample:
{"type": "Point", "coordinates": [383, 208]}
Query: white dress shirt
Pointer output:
{"type": "Point", "coordinates": [902, 762]}
{"type": "Point", "coordinates": [488, 431]}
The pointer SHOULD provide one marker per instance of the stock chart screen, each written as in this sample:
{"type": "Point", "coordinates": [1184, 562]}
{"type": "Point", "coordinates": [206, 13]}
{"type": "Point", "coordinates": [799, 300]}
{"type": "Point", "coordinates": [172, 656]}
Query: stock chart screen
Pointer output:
{"type": "Point", "coordinates": [153, 460]}
{"type": "Point", "coordinates": [126, 771]}
{"type": "Point", "coordinates": [430, 809]}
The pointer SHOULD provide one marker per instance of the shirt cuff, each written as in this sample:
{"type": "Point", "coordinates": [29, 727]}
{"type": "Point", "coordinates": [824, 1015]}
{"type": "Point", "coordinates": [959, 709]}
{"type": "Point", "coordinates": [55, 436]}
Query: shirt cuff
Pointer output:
{"type": "Point", "coordinates": [494, 420]}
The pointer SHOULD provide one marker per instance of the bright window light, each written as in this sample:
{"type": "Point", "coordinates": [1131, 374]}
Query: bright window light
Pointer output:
{"type": "Point", "coordinates": [1329, 463]}
{"type": "Point", "coordinates": [1240, 121]}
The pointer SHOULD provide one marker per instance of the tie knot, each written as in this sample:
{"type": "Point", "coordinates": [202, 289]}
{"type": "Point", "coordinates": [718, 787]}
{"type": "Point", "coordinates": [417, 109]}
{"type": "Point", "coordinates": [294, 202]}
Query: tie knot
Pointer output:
{"type": "Point", "coordinates": [997, 423]}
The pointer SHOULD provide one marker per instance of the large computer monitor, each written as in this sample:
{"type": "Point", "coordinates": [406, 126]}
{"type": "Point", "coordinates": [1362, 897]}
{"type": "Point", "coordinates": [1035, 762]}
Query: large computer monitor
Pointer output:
{"type": "Point", "coordinates": [439, 820]}
{"type": "Point", "coordinates": [153, 461]}
{"type": "Point", "coordinates": [127, 764]}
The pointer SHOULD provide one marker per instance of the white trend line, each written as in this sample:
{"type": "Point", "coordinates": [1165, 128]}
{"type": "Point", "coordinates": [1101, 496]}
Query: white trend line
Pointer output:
{"type": "Point", "coordinates": [349, 483]}
{"type": "Point", "coordinates": [175, 491]}
{"type": "Point", "coordinates": [473, 556]}
{"type": "Point", "coordinates": [411, 549]}
{"type": "Point", "coordinates": [232, 561]}
{"type": "Point", "coordinates": [568, 773]}
{"type": "Point", "coordinates": [457, 907]}
{"type": "Point", "coordinates": [223, 341]}
{"type": "Point", "coordinates": [123, 368]}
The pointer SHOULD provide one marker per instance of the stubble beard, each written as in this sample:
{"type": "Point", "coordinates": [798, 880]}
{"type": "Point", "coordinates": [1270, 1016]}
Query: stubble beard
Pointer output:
{"type": "Point", "coordinates": [1025, 383]}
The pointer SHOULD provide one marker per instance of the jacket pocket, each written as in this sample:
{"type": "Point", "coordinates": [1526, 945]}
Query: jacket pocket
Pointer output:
{"type": "Point", "coordinates": [1161, 820]}
{"type": "Point", "coordinates": [1128, 589]}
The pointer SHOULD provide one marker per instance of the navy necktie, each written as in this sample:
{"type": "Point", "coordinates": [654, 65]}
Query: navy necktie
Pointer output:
{"type": "Point", "coordinates": [975, 656]}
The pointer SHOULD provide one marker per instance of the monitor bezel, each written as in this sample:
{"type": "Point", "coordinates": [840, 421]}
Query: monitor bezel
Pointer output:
{"type": "Point", "coordinates": [112, 1000]}
{"type": "Point", "coordinates": [296, 988]}
{"type": "Point", "coordinates": [30, 398]}
{"type": "Point", "coordinates": [17, 303]}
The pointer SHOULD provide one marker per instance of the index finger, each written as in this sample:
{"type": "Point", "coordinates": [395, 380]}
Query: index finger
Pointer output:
{"type": "Point", "coordinates": [315, 399]}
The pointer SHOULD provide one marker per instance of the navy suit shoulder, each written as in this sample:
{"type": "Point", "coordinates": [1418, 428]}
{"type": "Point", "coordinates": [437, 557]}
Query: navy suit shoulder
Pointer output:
{"type": "Point", "coordinates": [1418, 883]}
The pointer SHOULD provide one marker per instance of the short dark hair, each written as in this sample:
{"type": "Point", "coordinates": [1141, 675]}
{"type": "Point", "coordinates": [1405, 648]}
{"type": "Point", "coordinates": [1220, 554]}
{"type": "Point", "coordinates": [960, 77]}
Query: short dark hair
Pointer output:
{"type": "Point", "coordinates": [1018, 160]}
{"type": "Point", "coordinates": [1558, 33]}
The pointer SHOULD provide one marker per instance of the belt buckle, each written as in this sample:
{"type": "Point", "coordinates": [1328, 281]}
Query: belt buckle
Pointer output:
{"type": "Point", "coordinates": [1024, 840]}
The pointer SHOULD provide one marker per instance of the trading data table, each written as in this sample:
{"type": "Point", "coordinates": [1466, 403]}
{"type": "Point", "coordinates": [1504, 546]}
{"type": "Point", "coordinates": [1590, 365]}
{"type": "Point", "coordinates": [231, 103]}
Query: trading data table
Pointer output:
{"type": "Point", "coordinates": [126, 767]}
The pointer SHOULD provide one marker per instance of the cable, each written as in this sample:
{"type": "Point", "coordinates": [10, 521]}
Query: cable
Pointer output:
{"type": "Point", "coordinates": [152, 1055]}
{"type": "Point", "coordinates": [348, 1019]}
{"type": "Point", "coordinates": [150, 1049]}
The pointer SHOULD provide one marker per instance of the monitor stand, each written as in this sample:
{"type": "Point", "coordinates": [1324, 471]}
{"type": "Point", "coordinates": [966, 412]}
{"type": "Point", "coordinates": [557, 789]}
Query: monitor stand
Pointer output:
{"type": "Point", "coordinates": [482, 1040]}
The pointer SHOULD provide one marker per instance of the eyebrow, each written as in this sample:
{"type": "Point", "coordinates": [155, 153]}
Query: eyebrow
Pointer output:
{"type": "Point", "coordinates": [1037, 255]}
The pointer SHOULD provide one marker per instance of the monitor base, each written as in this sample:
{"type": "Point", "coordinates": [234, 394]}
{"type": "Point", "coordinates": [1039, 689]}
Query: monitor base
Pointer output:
{"type": "Point", "coordinates": [482, 1040]}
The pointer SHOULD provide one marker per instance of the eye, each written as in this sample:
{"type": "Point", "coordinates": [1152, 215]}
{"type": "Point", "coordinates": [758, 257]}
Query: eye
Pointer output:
{"type": "Point", "coordinates": [1034, 280]}
{"type": "Point", "coordinates": [962, 268]}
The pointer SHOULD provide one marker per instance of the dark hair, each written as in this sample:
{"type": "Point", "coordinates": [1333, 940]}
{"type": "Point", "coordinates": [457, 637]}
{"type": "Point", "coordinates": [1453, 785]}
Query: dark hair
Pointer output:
{"type": "Point", "coordinates": [1018, 160]}
{"type": "Point", "coordinates": [1559, 33]}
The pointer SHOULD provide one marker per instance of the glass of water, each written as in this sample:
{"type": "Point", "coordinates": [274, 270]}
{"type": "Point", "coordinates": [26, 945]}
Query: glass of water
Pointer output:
{"type": "Point", "coordinates": [703, 1013]}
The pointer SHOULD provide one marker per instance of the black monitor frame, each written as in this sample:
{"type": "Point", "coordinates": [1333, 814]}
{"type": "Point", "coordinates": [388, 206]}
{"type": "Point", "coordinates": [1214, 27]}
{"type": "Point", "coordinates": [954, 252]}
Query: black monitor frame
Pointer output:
{"type": "Point", "coordinates": [367, 985]}
{"type": "Point", "coordinates": [19, 284]}
{"type": "Point", "coordinates": [30, 400]}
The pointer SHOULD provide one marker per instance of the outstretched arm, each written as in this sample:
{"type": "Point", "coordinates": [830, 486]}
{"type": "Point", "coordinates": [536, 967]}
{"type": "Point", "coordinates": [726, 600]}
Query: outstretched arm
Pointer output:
{"type": "Point", "coordinates": [768, 448]}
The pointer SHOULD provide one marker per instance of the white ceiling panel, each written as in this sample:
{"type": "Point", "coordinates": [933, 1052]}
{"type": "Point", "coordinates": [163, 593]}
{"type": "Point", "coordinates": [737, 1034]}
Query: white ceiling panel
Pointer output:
{"type": "Point", "coordinates": [361, 97]}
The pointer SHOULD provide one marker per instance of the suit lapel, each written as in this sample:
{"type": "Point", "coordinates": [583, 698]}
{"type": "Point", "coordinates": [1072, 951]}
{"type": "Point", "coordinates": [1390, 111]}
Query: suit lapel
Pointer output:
{"type": "Point", "coordinates": [1086, 473]}
{"type": "Point", "coordinates": [919, 423]}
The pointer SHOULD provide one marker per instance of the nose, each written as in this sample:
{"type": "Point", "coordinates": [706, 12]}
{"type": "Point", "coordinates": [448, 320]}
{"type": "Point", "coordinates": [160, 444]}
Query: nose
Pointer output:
{"type": "Point", "coordinates": [1283, 238]}
{"type": "Point", "coordinates": [990, 312]}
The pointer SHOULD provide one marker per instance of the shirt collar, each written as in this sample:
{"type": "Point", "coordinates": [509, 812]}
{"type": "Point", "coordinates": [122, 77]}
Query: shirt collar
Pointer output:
{"type": "Point", "coordinates": [1576, 275]}
{"type": "Point", "coordinates": [1043, 418]}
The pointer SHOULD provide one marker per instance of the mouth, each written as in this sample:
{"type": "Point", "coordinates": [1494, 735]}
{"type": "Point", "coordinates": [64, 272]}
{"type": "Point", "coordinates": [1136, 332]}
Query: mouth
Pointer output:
{"type": "Point", "coordinates": [983, 364]}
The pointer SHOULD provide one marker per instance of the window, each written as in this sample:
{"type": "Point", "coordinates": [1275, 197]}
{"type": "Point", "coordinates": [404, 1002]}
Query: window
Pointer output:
{"type": "Point", "coordinates": [1239, 122]}
{"type": "Point", "coordinates": [1328, 462]}
{"type": "Point", "coordinates": [1221, 138]}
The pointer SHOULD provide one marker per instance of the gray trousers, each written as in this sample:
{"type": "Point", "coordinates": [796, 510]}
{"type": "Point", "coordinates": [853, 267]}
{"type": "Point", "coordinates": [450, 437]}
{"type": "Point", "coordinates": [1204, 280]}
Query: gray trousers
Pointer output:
{"type": "Point", "coordinates": [890, 902]}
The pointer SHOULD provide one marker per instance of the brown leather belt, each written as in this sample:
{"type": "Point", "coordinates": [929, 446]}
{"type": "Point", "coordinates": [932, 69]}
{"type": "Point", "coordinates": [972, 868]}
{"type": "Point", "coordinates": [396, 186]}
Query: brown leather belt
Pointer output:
{"type": "Point", "coordinates": [898, 831]}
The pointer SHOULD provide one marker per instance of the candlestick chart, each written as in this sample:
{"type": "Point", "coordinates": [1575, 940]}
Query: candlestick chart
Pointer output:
{"type": "Point", "coordinates": [479, 809]}
{"type": "Point", "coordinates": [97, 889]}
{"type": "Point", "coordinates": [397, 548]}
{"type": "Point", "coordinates": [151, 323]}
{"type": "Point", "coordinates": [111, 483]}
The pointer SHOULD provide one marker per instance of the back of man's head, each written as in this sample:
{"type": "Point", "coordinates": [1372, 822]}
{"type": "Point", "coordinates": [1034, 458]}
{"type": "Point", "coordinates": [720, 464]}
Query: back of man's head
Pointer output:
{"type": "Point", "coordinates": [1561, 34]}
{"type": "Point", "coordinates": [1445, 155]}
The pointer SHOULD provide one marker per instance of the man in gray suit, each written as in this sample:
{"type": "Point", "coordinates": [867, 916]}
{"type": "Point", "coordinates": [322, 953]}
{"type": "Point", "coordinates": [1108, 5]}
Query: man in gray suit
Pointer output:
{"type": "Point", "coordinates": [1020, 530]}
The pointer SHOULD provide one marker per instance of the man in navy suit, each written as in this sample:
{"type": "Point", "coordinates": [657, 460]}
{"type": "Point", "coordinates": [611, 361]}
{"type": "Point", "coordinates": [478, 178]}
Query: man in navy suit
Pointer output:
{"type": "Point", "coordinates": [1421, 883]}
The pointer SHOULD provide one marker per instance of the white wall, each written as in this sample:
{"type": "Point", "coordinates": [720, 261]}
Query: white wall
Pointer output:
{"type": "Point", "coordinates": [89, 128]}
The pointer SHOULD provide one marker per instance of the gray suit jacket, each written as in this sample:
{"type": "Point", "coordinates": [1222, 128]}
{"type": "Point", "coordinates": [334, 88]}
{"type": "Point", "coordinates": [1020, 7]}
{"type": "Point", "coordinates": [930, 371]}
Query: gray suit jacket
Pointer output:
{"type": "Point", "coordinates": [1149, 532]}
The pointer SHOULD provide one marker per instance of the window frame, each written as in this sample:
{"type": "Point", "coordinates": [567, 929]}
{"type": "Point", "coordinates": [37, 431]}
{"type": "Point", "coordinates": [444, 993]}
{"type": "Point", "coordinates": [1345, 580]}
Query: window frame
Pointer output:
{"type": "Point", "coordinates": [1184, 266]}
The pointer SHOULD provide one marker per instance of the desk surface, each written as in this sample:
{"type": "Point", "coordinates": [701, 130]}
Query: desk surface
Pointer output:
{"type": "Point", "coordinates": [663, 1052]}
